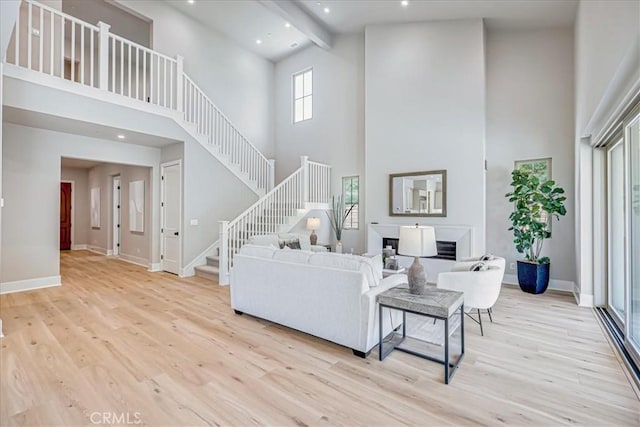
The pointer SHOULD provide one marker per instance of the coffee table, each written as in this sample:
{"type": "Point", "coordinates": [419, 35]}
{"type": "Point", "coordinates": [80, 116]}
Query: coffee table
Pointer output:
{"type": "Point", "coordinates": [436, 303]}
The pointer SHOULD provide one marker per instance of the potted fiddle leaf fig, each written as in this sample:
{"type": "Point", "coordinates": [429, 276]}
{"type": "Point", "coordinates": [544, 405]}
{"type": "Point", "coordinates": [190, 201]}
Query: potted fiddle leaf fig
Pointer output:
{"type": "Point", "coordinates": [536, 202]}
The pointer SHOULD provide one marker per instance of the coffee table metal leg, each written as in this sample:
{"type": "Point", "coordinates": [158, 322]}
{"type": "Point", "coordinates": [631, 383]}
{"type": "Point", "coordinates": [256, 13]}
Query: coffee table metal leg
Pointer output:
{"type": "Point", "coordinates": [380, 332]}
{"type": "Point", "coordinates": [462, 330]}
{"type": "Point", "coordinates": [404, 324]}
{"type": "Point", "coordinates": [446, 351]}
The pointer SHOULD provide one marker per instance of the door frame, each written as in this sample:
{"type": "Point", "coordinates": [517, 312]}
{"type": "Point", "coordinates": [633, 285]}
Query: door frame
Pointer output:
{"type": "Point", "coordinates": [181, 235]}
{"type": "Point", "coordinates": [114, 210]}
{"type": "Point", "coordinates": [73, 210]}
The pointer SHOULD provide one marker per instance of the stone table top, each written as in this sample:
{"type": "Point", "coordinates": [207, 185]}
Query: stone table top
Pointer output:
{"type": "Point", "coordinates": [434, 302]}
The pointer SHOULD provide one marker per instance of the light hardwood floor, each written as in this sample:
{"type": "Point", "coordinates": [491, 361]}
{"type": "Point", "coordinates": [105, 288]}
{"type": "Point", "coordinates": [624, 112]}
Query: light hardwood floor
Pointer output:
{"type": "Point", "coordinates": [116, 339]}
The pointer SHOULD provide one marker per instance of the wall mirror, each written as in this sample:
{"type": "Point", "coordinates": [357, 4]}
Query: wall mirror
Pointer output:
{"type": "Point", "coordinates": [418, 193]}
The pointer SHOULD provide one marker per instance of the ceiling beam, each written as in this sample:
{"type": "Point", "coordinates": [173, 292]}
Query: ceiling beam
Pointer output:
{"type": "Point", "coordinates": [301, 20]}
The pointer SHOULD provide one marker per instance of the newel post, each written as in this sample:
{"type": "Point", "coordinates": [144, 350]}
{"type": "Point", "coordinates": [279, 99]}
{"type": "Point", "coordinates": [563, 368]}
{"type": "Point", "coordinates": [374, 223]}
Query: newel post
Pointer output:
{"type": "Point", "coordinates": [224, 253]}
{"type": "Point", "coordinates": [103, 55]}
{"type": "Point", "coordinates": [304, 160]}
{"type": "Point", "coordinates": [180, 83]}
{"type": "Point", "coordinates": [272, 175]}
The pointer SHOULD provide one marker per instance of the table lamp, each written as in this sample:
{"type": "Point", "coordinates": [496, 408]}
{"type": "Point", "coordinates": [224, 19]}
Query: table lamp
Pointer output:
{"type": "Point", "coordinates": [313, 224]}
{"type": "Point", "coordinates": [417, 242]}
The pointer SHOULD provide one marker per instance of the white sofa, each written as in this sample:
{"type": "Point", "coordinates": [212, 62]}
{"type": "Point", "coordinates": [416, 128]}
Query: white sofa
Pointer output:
{"type": "Point", "coordinates": [328, 295]}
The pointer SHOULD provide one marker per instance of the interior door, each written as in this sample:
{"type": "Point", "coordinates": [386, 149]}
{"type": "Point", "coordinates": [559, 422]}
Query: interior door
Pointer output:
{"type": "Point", "coordinates": [65, 216]}
{"type": "Point", "coordinates": [171, 217]}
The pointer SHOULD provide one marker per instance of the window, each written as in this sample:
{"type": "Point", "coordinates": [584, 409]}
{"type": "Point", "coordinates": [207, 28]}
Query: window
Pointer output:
{"type": "Point", "coordinates": [351, 197]}
{"type": "Point", "coordinates": [303, 96]}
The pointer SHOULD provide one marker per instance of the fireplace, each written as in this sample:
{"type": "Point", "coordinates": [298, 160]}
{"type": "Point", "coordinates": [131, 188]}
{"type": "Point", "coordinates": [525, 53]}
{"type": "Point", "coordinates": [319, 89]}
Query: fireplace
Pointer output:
{"type": "Point", "coordinates": [446, 249]}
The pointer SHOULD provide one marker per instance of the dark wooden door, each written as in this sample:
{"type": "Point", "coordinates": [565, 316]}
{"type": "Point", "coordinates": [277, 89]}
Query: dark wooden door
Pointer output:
{"type": "Point", "coordinates": [65, 216]}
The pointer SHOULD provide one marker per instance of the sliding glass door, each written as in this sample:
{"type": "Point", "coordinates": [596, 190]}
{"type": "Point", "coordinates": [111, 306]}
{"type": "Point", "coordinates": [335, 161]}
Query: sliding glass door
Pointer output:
{"type": "Point", "coordinates": [616, 231]}
{"type": "Point", "coordinates": [623, 231]}
{"type": "Point", "coordinates": [633, 318]}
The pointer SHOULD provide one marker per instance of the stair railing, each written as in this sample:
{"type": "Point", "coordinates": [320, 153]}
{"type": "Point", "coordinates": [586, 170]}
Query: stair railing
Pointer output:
{"type": "Point", "coordinates": [55, 43]}
{"type": "Point", "coordinates": [310, 184]}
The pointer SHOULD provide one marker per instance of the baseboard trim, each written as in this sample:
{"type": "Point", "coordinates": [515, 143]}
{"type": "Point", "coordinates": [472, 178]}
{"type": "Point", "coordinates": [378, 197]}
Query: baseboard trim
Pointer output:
{"type": "Point", "coordinates": [79, 247]}
{"type": "Point", "coordinates": [554, 284]}
{"type": "Point", "coordinates": [155, 267]}
{"type": "Point", "coordinates": [99, 250]}
{"type": "Point", "coordinates": [131, 259]}
{"type": "Point", "coordinates": [30, 284]}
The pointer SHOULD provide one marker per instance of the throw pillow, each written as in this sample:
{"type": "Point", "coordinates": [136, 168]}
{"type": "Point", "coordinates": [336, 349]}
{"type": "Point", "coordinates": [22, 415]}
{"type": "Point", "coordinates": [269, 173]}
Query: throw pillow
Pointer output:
{"type": "Point", "coordinates": [291, 244]}
{"type": "Point", "coordinates": [479, 266]}
{"type": "Point", "coordinates": [487, 257]}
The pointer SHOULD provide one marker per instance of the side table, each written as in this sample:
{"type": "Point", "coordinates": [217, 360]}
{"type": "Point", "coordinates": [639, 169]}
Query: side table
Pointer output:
{"type": "Point", "coordinates": [436, 303]}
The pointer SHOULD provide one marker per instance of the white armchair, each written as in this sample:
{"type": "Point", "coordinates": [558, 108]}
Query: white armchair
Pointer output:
{"type": "Point", "coordinates": [481, 288]}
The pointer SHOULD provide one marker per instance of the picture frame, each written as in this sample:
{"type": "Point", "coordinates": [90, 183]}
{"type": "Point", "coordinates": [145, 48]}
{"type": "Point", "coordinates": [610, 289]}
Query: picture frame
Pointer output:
{"type": "Point", "coordinates": [95, 207]}
{"type": "Point", "coordinates": [136, 206]}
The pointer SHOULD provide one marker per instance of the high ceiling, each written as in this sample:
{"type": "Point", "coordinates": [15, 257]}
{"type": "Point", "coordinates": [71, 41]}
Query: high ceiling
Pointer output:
{"type": "Point", "coordinates": [351, 16]}
{"type": "Point", "coordinates": [246, 21]}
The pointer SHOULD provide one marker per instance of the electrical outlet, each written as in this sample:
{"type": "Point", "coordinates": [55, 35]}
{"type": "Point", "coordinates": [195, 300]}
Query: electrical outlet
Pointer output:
{"type": "Point", "coordinates": [512, 266]}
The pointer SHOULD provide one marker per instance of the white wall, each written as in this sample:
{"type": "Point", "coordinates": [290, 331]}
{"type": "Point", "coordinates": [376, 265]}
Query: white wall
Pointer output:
{"type": "Point", "coordinates": [31, 183]}
{"type": "Point", "coordinates": [211, 194]}
{"type": "Point", "coordinates": [81, 204]}
{"type": "Point", "coordinates": [335, 135]}
{"type": "Point", "coordinates": [239, 82]}
{"type": "Point", "coordinates": [530, 115]}
{"type": "Point", "coordinates": [606, 33]}
{"type": "Point", "coordinates": [134, 246]}
{"type": "Point", "coordinates": [425, 110]}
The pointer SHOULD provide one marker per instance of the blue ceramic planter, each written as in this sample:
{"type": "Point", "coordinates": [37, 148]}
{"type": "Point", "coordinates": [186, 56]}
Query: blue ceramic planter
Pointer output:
{"type": "Point", "coordinates": [533, 278]}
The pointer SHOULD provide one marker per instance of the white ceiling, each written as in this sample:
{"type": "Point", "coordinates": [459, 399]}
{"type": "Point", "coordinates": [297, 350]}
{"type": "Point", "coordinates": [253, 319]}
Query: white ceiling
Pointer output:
{"type": "Point", "coordinates": [351, 16]}
{"type": "Point", "coordinates": [60, 124]}
{"type": "Point", "coordinates": [245, 21]}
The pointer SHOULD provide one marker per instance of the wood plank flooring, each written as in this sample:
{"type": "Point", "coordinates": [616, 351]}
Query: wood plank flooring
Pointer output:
{"type": "Point", "coordinates": [116, 341]}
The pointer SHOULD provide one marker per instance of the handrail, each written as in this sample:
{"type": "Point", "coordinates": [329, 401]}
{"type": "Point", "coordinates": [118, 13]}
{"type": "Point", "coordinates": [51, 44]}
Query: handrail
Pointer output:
{"type": "Point", "coordinates": [140, 47]}
{"type": "Point", "coordinates": [60, 13]}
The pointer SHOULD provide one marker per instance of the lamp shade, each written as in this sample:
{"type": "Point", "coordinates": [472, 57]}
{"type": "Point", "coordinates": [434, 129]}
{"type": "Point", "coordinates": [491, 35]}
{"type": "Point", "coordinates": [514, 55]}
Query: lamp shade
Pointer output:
{"type": "Point", "coordinates": [417, 241]}
{"type": "Point", "coordinates": [313, 223]}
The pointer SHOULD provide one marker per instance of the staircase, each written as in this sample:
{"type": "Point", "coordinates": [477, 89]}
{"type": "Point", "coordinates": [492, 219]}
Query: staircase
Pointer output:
{"type": "Point", "coordinates": [111, 63]}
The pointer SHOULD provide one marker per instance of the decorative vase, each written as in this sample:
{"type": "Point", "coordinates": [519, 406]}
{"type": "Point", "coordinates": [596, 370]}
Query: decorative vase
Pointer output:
{"type": "Point", "coordinates": [338, 247]}
{"type": "Point", "coordinates": [533, 278]}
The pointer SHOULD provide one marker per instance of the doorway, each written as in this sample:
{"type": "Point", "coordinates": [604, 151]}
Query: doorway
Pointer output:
{"type": "Point", "coordinates": [66, 224]}
{"type": "Point", "coordinates": [171, 216]}
{"type": "Point", "coordinates": [116, 215]}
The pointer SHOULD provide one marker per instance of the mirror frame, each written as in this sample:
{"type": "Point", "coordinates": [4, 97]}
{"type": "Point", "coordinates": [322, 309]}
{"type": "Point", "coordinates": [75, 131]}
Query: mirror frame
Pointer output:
{"type": "Point", "coordinates": [442, 172]}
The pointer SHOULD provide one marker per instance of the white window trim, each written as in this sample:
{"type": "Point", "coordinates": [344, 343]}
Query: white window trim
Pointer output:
{"type": "Point", "coordinates": [293, 94]}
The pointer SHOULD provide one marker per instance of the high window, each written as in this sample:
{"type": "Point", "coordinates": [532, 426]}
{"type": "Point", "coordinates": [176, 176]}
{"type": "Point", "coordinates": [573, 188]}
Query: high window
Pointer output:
{"type": "Point", "coordinates": [351, 196]}
{"type": "Point", "coordinates": [303, 95]}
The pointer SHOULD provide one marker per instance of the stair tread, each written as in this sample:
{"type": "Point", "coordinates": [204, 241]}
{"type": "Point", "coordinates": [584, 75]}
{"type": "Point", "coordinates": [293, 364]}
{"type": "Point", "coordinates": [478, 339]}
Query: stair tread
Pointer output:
{"type": "Point", "coordinates": [207, 269]}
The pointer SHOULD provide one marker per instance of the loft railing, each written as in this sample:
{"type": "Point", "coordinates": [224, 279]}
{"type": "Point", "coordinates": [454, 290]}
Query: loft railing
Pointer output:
{"type": "Point", "coordinates": [54, 43]}
{"type": "Point", "coordinates": [310, 184]}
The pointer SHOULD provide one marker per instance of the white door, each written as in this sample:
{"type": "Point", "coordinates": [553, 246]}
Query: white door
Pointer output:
{"type": "Point", "coordinates": [116, 215]}
{"type": "Point", "coordinates": [171, 217]}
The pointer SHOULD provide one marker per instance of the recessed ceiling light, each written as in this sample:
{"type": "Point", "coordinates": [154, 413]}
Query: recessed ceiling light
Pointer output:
{"type": "Point", "coordinates": [258, 41]}
{"type": "Point", "coordinates": [404, 3]}
{"type": "Point", "coordinates": [318, 3]}
{"type": "Point", "coordinates": [287, 25]}
{"type": "Point", "coordinates": [191, 1]}
{"type": "Point", "coordinates": [327, 10]}
{"type": "Point", "coordinates": [120, 136]}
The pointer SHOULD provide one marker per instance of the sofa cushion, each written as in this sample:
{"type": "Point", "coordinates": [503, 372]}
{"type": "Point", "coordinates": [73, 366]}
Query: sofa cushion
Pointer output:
{"type": "Point", "coordinates": [258, 251]}
{"type": "Point", "coordinates": [264, 240]}
{"type": "Point", "coordinates": [333, 260]}
{"type": "Point", "coordinates": [288, 255]}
